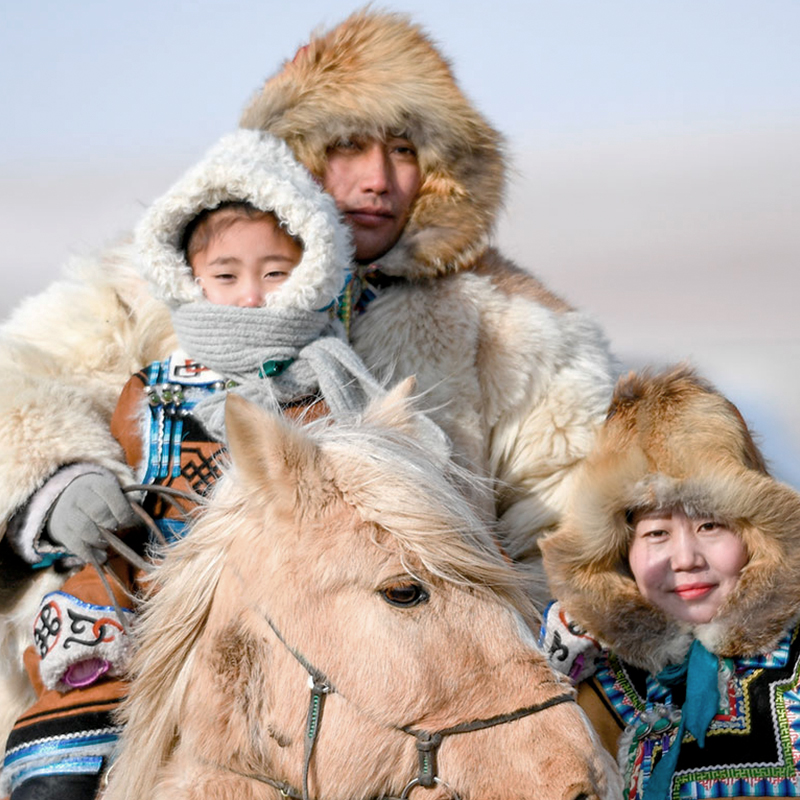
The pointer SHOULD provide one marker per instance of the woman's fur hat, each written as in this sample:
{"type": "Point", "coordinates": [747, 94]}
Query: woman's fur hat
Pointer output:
{"type": "Point", "coordinates": [377, 74]}
{"type": "Point", "coordinates": [253, 167]}
{"type": "Point", "coordinates": [671, 440]}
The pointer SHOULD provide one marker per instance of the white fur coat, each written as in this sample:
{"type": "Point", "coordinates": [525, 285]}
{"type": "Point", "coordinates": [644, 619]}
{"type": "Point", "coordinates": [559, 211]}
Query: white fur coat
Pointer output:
{"type": "Point", "coordinates": [518, 379]}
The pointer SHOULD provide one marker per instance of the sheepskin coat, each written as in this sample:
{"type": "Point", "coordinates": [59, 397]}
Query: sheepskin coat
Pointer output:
{"type": "Point", "coordinates": [518, 379]}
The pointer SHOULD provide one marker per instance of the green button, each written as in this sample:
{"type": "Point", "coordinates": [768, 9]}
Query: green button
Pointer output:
{"type": "Point", "coordinates": [269, 369]}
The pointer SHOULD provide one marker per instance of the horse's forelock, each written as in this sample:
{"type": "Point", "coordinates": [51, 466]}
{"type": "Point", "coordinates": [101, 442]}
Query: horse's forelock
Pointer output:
{"type": "Point", "coordinates": [430, 508]}
{"type": "Point", "coordinates": [428, 505]}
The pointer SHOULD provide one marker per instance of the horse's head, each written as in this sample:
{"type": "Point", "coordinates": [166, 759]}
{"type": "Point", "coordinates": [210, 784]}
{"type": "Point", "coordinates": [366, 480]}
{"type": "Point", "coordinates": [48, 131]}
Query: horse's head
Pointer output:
{"type": "Point", "coordinates": [349, 552]}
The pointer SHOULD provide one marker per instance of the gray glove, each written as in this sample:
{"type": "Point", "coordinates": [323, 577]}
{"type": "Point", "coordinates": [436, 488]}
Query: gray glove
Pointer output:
{"type": "Point", "coordinates": [91, 502]}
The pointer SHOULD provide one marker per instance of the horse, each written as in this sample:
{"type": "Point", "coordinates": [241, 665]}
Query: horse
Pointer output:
{"type": "Point", "coordinates": [340, 624]}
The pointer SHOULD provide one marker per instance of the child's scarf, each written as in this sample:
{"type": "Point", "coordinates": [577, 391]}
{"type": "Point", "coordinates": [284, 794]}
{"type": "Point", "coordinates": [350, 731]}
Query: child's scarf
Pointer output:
{"type": "Point", "coordinates": [274, 356]}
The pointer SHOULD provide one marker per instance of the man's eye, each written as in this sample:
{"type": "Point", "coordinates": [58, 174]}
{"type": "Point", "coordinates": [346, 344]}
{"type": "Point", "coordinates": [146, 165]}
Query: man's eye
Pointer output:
{"type": "Point", "coordinates": [405, 149]}
{"type": "Point", "coordinates": [346, 145]}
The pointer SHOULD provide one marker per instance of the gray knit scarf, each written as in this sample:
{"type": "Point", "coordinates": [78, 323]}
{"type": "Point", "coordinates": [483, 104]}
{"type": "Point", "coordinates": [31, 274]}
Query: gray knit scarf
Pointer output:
{"type": "Point", "coordinates": [275, 356]}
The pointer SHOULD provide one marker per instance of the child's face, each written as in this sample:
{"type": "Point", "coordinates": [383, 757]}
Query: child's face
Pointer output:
{"type": "Point", "coordinates": [244, 262]}
{"type": "Point", "coordinates": [685, 565]}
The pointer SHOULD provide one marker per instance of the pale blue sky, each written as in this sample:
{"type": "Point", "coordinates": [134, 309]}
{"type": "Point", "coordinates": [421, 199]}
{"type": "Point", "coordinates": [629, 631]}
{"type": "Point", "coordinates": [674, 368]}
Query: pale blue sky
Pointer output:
{"type": "Point", "coordinates": [657, 180]}
{"type": "Point", "coordinates": [95, 77]}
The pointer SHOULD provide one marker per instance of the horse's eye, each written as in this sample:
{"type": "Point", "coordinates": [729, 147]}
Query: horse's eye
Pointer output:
{"type": "Point", "coordinates": [404, 595]}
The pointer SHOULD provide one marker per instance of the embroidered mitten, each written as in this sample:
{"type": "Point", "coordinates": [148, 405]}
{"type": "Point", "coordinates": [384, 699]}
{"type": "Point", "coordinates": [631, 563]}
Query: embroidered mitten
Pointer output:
{"type": "Point", "coordinates": [92, 502]}
{"type": "Point", "coordinates": [569, 649]}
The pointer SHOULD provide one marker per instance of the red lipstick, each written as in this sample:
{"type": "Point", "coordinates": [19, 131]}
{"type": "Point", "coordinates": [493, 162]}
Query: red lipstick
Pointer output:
{"type": "Point", "coordinates": [693, 591]}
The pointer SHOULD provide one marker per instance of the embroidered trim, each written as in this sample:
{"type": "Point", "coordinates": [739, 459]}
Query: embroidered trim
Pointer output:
{"type": "Point", "coordinates": [753, 744]}
{"type": "Point", "coordinates": [81, 753]}
{"type": "Point", "coordinates": [174, 387]}
{"type": "Point", "coordinates": [68, 631]}
{"type": "Point", "coordinates": [568, 647]}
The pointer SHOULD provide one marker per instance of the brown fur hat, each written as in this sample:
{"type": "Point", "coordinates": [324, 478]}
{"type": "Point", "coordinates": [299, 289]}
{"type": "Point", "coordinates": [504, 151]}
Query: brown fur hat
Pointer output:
{"type": "Point", "coordinates": [377, 73]}
{"type": "Point", "coordinates": [671, 440]}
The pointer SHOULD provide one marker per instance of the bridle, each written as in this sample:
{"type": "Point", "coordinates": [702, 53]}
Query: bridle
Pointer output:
{"type": "Point", "coordinates": [427, 742]}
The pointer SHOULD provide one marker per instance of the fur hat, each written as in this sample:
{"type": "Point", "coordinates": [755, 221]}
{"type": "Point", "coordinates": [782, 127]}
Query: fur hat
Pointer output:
{"type": "Point", "coordinates": [377, 73]}
{"type": "Point", "coordinates": [253, 167]}
{"type": "Point", "coordinates": [671, 440]}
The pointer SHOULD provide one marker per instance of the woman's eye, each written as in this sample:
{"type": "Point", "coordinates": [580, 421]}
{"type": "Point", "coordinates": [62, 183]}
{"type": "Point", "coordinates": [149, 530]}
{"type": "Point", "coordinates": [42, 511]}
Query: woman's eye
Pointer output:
{"type": "Point", "coordinates": [711, 525]}
{"type": "Point", "coordinates": [404, 595]}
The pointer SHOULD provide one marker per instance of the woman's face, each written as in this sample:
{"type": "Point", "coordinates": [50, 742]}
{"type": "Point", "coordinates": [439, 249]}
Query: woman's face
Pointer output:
{"type": "Point", "coordinates": [686, 566]}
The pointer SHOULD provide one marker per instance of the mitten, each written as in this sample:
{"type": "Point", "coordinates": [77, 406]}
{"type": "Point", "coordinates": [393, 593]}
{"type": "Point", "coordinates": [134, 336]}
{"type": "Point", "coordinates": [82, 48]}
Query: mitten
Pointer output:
{"type": "Point", "coordinates": [92, 502]}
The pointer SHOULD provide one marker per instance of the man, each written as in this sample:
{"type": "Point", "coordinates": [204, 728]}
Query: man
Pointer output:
{"type": "Point", "coordinates": [374, 183]}
{"type": "Point", "coordinates": [517, 379]}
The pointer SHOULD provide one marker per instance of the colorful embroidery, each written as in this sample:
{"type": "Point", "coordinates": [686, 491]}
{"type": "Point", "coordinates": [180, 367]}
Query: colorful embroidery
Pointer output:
{"type": "Point", "coordinates": [752, 747]}
{"type": "Point", "coordinates": [65, 752]}
{"type": "Point", "coordinates": [68, 631]}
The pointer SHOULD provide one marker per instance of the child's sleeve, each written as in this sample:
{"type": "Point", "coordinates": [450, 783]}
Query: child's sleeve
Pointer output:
{"type": "Point", "coordinates": [25, 531]}
{"type": "Point", "coordinates": [127, 419]}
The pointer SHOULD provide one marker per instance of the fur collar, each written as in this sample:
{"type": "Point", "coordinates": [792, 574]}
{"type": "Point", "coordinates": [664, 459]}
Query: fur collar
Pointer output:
{"type": "Point", "coordinates": [671, 440]}
{"type": "Point", "coordinates": [377, 73]}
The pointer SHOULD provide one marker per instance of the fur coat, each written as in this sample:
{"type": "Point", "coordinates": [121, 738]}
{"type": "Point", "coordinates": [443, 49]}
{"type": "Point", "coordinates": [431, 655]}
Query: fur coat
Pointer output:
{"type": "Point", "coordinates": [518, 379]}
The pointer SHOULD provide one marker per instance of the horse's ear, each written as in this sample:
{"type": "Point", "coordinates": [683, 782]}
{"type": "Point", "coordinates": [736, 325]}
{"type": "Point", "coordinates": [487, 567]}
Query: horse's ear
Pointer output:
{"type": "Point", "coordinates": [267, 451]}
{"type": "Point", "coordinates": [397, 409]}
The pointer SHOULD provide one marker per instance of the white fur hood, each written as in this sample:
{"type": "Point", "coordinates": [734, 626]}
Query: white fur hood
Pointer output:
{"type": "Point", "coordinates": [257, 168]}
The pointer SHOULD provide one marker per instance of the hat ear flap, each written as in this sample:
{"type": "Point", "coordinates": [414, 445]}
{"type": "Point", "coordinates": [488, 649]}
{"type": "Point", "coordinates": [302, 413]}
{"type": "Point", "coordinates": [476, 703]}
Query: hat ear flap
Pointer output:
{"type": "Point", "coordinates": [754, 616]}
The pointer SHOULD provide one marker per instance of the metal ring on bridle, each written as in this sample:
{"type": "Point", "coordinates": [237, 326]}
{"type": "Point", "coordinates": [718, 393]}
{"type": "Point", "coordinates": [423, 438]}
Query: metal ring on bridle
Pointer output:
{"type": "Point", "coordinates": [416, 782]}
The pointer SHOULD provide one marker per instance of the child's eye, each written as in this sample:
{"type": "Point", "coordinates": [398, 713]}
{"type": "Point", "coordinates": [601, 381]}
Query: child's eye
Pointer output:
{"type": "Point", "coordinates": [656, 533]}
{"type": "Point", "coordinates": [275, 275]}
{"type": "Point", "coordinates": [225, 276]}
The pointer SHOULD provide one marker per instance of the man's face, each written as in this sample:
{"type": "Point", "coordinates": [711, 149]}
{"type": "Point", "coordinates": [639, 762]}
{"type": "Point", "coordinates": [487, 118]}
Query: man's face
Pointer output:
{"type": "Point", "coordinates": [374, 183]}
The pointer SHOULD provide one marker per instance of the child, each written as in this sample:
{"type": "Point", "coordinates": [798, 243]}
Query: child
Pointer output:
{"type": "Point", "coordinates": [250, 255]}
{"type": "Point", "coordinates": [681, 555]}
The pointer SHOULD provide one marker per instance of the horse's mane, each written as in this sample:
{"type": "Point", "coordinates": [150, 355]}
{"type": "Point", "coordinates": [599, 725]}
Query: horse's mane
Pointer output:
{"type": "Point", "coordinates": [434, 510]}
{"type": "Point", "coordinates": [397, 473]}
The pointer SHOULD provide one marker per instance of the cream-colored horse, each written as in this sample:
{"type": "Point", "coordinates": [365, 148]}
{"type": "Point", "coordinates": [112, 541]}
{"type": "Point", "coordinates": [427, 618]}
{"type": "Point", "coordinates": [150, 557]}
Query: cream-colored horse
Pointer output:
{"type": "Point", "coordinates": [347, 553]}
